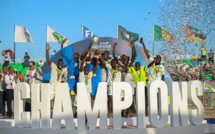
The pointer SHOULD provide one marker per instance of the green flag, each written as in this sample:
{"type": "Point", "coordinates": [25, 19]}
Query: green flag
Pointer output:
{"type": "Point", "coordinates": [161, 34]}
{"type": "Point", "coordinates": [126, 35]}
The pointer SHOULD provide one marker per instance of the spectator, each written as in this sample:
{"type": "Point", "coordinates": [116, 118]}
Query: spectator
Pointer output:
{"type": "Point", "coordinates": [34, 75]}
{"type": "Point", "coordinates": [10, 80]}
{"type": "Point", "coordinates": [192, 70]}
{"type": "Point", "coordinates": [6, 59]}
{"type": "Point", "coordinates": [20, 77]}
{"type": "Point", "coordinates": [196, 75]}
{"type": "Point", "coordinates": [205, 68]}
{"type": "Point", "coordinates": [2, 91]}
{"type": "Point", "coordinates": [184, 67]}
{"type": "Point", "coordinates": [198, 67]}
{"type": "Point", "coordinates": [203, 52]}
{"type": "Point", "coordinates": [41, 63]}
{"type": "Point", "coordinates": [211, 65]}
{"type": "Point", "coordinates": [194, 57]}
{"type": "Point", "coordinates": [202, 75]}
{"type": "Point", "coordinates": [53, 53]}
{"type": "Point", "coordinates": [195, 63]}
{"type": "Point", "coordinates": [178, 65]}
{"type": "Point", "coordinates": [26, 59]}
{"type": "Point", "coordinates": [211, 56]}
{"type": "Point", "coordinates": [15, 72]}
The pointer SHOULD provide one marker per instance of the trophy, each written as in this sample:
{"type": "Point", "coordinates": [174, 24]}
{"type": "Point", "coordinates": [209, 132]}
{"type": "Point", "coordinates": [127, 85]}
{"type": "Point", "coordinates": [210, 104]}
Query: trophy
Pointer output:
{"type": "Point", "coordinates": [95, 40]}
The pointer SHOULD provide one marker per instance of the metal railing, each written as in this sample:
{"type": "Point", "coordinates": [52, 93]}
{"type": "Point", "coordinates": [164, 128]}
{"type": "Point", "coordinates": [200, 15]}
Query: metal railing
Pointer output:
{"type": "Point", "coordinates": [22, 60]}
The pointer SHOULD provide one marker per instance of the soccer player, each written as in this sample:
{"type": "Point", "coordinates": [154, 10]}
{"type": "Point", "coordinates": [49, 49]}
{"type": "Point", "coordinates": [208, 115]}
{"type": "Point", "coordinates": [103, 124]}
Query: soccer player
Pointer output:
{"type": "Point", "coordinates": [72, 69]}
{"type": "Point", "coordinates": [57, 71]}
{"type": "Point", "coordinates": [114, 75]}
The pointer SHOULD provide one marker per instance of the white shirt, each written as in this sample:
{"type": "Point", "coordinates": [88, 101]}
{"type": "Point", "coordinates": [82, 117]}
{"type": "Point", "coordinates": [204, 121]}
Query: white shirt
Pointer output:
{"type": "Point", "coordinates": [113, 76]}
{"type": "Point", "coordinates": [155, 75]}
{"type": "Point", "coordinates": [56, 74]}
{"type": "Point", "coordinates": [185, 67]}
{"type": "Point", "coordinates": [10, 82]}
{"type": "Point", "coordinates": [87, 79]}
{"type": "Point", "coordinates": [104, 72]}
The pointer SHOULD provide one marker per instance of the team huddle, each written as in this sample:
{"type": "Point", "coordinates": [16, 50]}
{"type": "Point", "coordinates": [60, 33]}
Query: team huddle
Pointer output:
{"type": "Point", "coordinates": [94, 67]}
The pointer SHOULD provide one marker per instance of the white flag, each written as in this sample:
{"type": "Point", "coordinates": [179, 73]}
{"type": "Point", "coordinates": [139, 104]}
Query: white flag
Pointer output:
{"type": "Point", "coordinates": [22, 34]}
{"type": "Point", "coordinates": [53, 36]}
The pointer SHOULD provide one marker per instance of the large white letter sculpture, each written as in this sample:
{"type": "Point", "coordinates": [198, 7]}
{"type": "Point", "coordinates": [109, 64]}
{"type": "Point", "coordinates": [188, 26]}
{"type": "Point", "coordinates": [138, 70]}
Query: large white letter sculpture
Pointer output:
{"type": "Point", "coordinates": [62, 107]}
{"type": "Point", "coordinates": [84, 107]}
{"type": "Point", "coordinates": [195, 90]}
{"type": "Point", "coordinates": [178, 105]}
{"type": "Point", "coordinates": [21, 91]}
{"type": "Point", "coordinates": [40, 105]}
{"type": "Point", "coordinates": [163, 103]}
{"type": "Point", "coordinates": [118, 105]}
{"type": "Point", "coordinates": [140, 100]}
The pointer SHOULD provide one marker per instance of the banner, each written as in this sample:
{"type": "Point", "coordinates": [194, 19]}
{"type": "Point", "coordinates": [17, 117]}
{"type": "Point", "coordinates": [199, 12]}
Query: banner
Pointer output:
{"type": "Point", "coordinates": [53, 36]}
{"type": "Point", "coordinates": [22, 34]}
{"type": "Point", "coordinates": [86, 33]}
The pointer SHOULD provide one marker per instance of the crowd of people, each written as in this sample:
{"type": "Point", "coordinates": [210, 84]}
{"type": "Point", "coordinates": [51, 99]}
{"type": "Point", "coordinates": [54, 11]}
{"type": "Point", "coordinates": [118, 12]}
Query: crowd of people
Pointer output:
{"type": "Point", "coordinates": [198, 69]}
{"type": "Point", "coordinates": [92, 67]}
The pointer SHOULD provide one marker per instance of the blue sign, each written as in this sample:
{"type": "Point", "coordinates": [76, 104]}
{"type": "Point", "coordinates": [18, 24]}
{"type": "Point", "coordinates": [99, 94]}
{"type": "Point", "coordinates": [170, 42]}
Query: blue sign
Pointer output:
{"type": "Point", "coordinates": [86, 33]}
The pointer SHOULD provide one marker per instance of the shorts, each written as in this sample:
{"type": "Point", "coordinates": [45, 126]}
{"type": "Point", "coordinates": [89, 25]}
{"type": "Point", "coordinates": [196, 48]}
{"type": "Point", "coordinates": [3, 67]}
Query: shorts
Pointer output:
{"type": "Point", "coordinates": [52, 92]}
{"type": "Point", "coordinates": [211, 59]}
{"type": "Point", "coordinates": [203, 57]}
{"type": "Point", "coordinates": [76, 99]}
{"type": "Point", "coordinates": [94, 88]}
{"type": "Point", "coordinates": [110, 91]}
{"type": "Point", "coordinates": [72, 85]}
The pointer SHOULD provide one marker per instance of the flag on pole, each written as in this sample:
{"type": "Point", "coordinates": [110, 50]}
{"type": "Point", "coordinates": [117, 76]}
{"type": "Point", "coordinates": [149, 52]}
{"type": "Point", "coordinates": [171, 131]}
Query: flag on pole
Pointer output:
{"type": "Point", "coordinates": [194, 34]}
{"type": "Point", "coordinates": [123, 34]}
{"type": "Point", "coordinates": [161, 34]}
{"type": "Point", "coordinates": [53, 36]}
{"type": "Point", "coordinates": [86, 33]}
{"type": "Point", "coordinates": [22, 34]}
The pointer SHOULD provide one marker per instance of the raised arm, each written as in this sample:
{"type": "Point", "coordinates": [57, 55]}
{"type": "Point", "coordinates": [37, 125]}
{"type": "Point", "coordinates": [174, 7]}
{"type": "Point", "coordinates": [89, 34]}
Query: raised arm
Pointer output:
{"type": "Point", "coordinates": [68, 59]}
{"type": "Point", "coordinates": [97, 64]}
{"type": "Point", "coordinates": [102, 61]}
{"type": "Point", "coordinates": [85, 52]}
{"type": "Point", "coordinates": [47, 54]}
{"type": "Point", "coordinates": [114, 48]}
{"type": "Point", "coordinates": [144, 48]}
{"type": "Point", "coordinates": [134, 54]}
{"type": "Point", "coordinates": [82, 62]}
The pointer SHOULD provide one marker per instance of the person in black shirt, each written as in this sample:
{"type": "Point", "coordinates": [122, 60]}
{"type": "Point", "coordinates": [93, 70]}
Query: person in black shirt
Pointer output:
{"type": "Point", "coordinates": [26, 59]}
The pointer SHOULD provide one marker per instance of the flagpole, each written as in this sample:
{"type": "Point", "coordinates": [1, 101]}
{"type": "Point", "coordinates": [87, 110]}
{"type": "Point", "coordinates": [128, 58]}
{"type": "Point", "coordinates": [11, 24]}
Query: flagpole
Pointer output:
{"type": "Point", "coordinates": [117, 31]}
{"type": "Point", "coordinates": [153, 41]}
{"type": "Point", "coordinates": [46, 33]}
{"type": "Point", "coordinates": [82, 31]}
{"type": "Point", "coordinates": [14, 47]}
{"type": "Point", "coordinates": [185, 48]}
